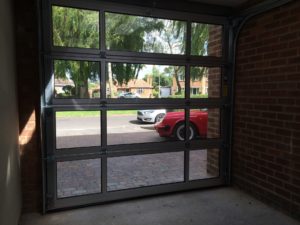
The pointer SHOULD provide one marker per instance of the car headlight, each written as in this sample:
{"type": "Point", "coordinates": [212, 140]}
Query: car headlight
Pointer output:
{"type": "Point", "coordinates": [148, 112]}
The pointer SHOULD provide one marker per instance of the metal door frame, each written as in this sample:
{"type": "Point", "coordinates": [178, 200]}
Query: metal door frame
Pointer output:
{"type": "Point", "coordinates": [49, 105]}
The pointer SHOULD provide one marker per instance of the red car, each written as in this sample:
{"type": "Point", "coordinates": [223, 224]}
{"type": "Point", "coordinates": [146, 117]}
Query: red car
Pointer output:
{"type": "Point", "coordinates": [173, 125]}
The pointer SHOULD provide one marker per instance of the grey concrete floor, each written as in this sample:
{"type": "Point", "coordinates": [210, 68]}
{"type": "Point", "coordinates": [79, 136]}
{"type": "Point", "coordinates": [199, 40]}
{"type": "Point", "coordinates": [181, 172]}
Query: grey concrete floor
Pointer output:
{"type": "Point", "coordinates": [218, 206]}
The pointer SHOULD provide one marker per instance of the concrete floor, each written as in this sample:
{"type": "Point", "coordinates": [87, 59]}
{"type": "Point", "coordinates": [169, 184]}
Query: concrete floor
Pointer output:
{"type": "Point", "coordinates": [220, 206]}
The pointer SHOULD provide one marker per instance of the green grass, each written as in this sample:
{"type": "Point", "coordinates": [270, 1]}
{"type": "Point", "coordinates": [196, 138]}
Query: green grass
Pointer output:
{"type": "Point", "coordinates": [192, 96]}
{"type": "Point", "coordinates": [199, 96]}
{"type": "Point", "coordinates": [93, 113]}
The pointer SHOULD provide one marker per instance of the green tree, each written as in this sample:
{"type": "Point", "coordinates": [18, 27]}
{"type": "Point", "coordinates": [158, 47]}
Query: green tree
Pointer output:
{"type": "Point", "coordinates": [127, 33]}
{"type": "Point", "coordinates": [199, 39]}
{"type": "Point", "coordinates": [173, 34]}
{"type": "Point", "coordinates": [79, 72]}
{"type": "Point", "coordinates": [80, 29]}
{"type": "Point", "coordinates": [75, 27]}
{"type": "Point", "coordinates": [159, 79]}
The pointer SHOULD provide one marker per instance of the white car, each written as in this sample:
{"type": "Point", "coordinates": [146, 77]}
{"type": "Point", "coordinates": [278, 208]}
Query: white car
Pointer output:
{"type": "Point", "coordinates": [129, 95]}
{"type": "Point", "coordinates": [151, 115]}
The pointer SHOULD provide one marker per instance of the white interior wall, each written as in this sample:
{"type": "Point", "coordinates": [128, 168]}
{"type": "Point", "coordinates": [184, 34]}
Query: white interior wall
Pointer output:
{"type": "Point", "coordinates": [10, 187]}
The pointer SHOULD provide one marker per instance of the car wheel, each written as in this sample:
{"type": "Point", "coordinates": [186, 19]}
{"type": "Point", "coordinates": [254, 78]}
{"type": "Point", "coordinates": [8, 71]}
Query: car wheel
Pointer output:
{"type": "Point", "coordinates": [179, 132]}
{"type": "Point", "coordinates": [159, 117]}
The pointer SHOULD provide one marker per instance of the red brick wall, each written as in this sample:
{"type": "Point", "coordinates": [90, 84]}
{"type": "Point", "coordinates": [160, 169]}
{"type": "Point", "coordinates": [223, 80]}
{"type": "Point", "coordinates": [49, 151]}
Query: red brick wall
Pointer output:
{"type": "Point", "coordinates": [266, 148]}
{"type": "Point", "coordinates": [214, 85]}
{"type": "Point", "coordinates": [28, 97]}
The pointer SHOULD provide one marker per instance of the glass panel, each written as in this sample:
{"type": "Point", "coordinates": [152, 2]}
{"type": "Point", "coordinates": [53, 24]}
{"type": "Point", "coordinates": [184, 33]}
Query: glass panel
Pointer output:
{"type": "Point", "coordinates": [205, 82]}
{"type": "Point", "coordinates": [204, 123]}
{"type": "Point", "coordinates": [76, 28]}
{"type": "Point", "coordinates": [77, 129]}
{"type": "Point", "coordinates": [144, 34]}
{"type": "Point", "coordinates": [78, 177]}
{"type": "Point", "coordinates": [144, 170]}
{"type": "Point", "coordinates": [126, 80]}
{"type": "Point", "coordinates": [204, 164]}
{"type": "Point", "coordinates": [76, 79]}
{"type": "Point", "coordinates": [144, 125]}
{"type": "Point", "coordinates": [206, 40]}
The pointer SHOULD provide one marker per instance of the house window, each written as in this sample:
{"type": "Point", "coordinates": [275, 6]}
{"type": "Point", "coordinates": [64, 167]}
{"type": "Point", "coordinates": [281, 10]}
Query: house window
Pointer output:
{"type": "Point", "coordinates": [140, 91]}
{"type": "Point", "coordinates": [194, 91]}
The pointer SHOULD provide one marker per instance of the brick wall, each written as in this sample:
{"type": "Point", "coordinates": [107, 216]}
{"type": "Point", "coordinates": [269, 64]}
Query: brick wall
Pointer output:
{"type": "Point", "coordinates": [266, 148]}
{"type": "Point", "coordinates": [28, 98]}
{"type": "Point", "coordinates": [214, 85]}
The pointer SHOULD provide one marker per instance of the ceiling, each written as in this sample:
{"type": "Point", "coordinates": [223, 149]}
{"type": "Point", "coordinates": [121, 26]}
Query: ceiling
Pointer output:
{"type": "Point", "coordinates": [209, 7]}
{"type": "Point", "coordinates": [230, 3]}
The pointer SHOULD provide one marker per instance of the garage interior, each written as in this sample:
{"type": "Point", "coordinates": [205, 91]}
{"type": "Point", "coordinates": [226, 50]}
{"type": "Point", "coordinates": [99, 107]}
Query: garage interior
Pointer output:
{"type": "Point", "coordinates": [93, 125]}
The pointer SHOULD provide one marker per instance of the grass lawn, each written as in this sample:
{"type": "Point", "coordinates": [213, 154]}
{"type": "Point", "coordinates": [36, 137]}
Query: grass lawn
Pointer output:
{"type": "Point", "coordinates": [94, 113]}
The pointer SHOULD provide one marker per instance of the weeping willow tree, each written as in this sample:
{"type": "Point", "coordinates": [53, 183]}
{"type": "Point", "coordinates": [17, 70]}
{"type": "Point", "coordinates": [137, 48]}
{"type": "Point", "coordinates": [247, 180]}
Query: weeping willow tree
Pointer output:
{"type": "Point", "coordinates": [199, 39]}
{"type": "Point", "coordinates": [175, 36]}
{"type": "Point", "coordinates": [127, 33]}
{"type": "Point", "coordinates": [78, 29]}
{"type": "Point", "coordinates": [75, 27]}
{"type": "Point", "coordinates": [80, 72]}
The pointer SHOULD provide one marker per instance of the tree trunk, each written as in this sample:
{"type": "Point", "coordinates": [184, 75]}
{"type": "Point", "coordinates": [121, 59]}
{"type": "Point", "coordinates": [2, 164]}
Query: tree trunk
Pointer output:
{"type": "Point", "coordinates": [84, 80]}
{"type": "Point", "coordinates": [110, 81]}
{"type": "Point", "coordinates": [177, 80]}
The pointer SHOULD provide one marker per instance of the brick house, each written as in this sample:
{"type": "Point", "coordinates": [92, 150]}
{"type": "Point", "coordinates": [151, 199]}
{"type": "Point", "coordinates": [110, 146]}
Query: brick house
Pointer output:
{"type": "Point", "coordinates": [197, 87]}
{"type": "Point", "coordinates": [143, 88]}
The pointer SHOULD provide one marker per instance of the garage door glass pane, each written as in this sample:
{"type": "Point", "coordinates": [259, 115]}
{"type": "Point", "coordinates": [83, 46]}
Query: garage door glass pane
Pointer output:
{"type": "Point", "coordinates": [79, 177]}
{"type": "Point", "coordinates": [206, 40]}
{"type": "Point", "coordinates": [204, 164]}
{"type": "Point", "coordinates": [144, 125]}
{"type": "Point", "coordinates": [77, 129]}
{"type": "Point", "coordinates": [76, 79]}
{"type": "Point", "coordinates": [205, 82]}
{"type": "Point", "coordinates": [127, 80]}
{"type": "Point", "coordinates": [76, 28]}
{"type": "Point", "coordinates": [144, 34]}
{"type": "Point", "coordinates": [204, 123]}
{"type": "Point", "coordinates": [144, 170]}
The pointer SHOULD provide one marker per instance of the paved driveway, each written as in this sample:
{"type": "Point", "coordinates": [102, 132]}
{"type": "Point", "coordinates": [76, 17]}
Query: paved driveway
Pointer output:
{"type": "Point", "coordinates": [84, 176]}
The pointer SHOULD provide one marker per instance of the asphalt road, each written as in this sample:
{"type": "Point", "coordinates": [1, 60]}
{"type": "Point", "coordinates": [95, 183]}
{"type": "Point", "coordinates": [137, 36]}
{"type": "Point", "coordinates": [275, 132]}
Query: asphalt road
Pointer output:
{"type": "Point", "coordinates": [85, 131]}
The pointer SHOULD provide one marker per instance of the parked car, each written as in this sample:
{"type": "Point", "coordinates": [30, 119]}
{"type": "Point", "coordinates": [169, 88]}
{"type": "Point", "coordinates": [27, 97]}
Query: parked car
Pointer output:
{"type": "Point", "coordinates": [173, 125]}
{"type": "Point", "coordinates": [128, 95]}
{"type": "Point", "coordinates": [151, 115]}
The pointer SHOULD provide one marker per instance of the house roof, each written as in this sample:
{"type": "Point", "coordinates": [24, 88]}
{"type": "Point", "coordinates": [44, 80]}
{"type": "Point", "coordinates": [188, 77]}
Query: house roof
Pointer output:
{"type": "Point", "coordinates": [63, 82]}
{"type": "Point", "coordinates": [136, 83]}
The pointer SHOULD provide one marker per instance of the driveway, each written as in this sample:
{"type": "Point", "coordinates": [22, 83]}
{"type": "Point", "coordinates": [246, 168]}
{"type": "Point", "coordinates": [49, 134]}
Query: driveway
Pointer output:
{"type": "Point", "coordinates": [84, 176]}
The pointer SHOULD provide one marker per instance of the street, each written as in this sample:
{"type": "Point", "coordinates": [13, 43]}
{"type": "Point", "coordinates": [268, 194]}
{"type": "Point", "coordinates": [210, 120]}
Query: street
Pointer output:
{"type": "Point", "coordinates": [85, 131]}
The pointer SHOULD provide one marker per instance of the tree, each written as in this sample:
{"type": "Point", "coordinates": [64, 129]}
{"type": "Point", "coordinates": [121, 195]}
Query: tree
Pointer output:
{"type": "Point", "coordinates": [76, 28]}
{"type": "Point", "coordinates": [199, 39]}
{"type": "Point", "coordinates": [159, 79]}
{"type": "Point", "coordinates": [127, 33]}
{"type": "Point", "coordinates": [79, 72]}
{"type": "Point", "coordinates": [173, 41]}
